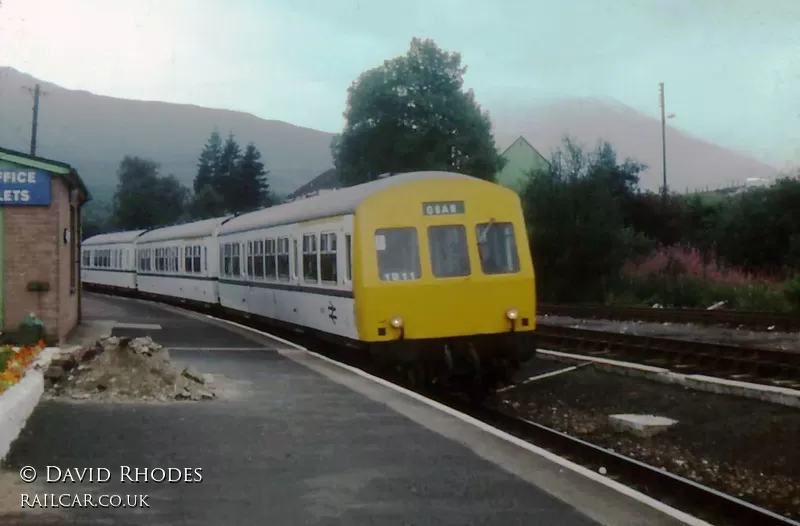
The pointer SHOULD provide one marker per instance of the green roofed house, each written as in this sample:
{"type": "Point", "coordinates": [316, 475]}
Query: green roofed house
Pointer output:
{"type": "Point", "coordinates": [521, 159]}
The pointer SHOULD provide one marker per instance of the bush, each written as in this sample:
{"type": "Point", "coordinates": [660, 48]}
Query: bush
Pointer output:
{"type": "Point", "coordinates": [679, 277]}
{"type": "Point", "coordinates": [792, 292]}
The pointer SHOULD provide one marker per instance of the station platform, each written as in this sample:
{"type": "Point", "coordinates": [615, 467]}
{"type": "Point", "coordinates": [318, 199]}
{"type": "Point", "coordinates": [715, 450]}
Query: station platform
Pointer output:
{"type": "Point", "coordinates": [295, 440]}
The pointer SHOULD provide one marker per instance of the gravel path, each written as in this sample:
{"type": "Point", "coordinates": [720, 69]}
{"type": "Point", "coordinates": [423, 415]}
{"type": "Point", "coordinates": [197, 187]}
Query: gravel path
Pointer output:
{"type": "Point", "coordinates": [744, 447]}
{"type": "Point", "coordinates": [683, 331]}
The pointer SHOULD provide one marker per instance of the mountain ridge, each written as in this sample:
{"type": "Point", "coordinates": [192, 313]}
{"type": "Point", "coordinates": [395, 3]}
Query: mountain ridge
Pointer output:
{"type": "Point", "coordinates": [93, 132]}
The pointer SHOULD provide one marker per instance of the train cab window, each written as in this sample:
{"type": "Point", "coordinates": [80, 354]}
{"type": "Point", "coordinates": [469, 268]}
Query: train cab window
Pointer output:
{"type": "Point", "coordinates": [310, 268]}
{"type": "Point", "coordinates": [398, 254]}
{"type": "Point", "coordinates": [327, 257]}
{"type": "Point", "coordinates": [449, 251]}
{"type": "Point", "coordinates": [348, 244]}
{"type": "Point", "coordinates": [497, 248]}
{"type": "Point", "coordinates": [258, 259]}
{"type": "Point", "coordinates": [269, 258]}
{"type": "Point", "coordinates": [283, 258]}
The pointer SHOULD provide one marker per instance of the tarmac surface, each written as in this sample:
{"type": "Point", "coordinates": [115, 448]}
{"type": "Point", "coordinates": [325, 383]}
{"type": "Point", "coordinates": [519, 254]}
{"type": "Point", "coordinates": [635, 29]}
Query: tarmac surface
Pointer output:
{"type": "Point", "coordinates": [294, 440]}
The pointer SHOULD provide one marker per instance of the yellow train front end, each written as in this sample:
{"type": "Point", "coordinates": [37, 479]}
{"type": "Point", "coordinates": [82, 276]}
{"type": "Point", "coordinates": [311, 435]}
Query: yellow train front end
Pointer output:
{"type": "Point", "coordinates": [444, 281]}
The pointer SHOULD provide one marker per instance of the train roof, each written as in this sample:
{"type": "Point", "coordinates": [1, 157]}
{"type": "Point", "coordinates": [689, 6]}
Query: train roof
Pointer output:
{"type": "Point", "coordinates": [127, 236]}
{"type": "Point", "coordinates": [195, 229]}
{"type": "Point", "coordinates": [334, 203]}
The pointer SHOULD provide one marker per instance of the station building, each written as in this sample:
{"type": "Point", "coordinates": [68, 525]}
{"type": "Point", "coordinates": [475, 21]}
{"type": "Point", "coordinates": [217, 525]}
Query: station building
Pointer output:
{"type": "Point", "coordinates": [40, 225]}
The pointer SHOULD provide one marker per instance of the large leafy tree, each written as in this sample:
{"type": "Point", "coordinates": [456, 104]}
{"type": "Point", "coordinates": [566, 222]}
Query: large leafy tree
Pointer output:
{"type": "Point", "coordinates": [411, 113]}
{"type": "Point", "coordinates": [144, 198]}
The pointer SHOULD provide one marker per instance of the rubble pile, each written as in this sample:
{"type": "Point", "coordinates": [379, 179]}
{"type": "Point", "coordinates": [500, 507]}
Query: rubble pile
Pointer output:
{"type": "Point", "coordinates": [120, 369]}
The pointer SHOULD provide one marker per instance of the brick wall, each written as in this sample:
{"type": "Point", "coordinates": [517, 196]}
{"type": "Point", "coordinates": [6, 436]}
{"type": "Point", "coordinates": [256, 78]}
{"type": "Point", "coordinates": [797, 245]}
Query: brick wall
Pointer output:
{"type": "Point", "coordinates": [34, 251]}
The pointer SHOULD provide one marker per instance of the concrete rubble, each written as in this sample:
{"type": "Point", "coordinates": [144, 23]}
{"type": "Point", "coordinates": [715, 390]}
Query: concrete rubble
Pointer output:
{"type": "Point", "coordinates": [124, 369]}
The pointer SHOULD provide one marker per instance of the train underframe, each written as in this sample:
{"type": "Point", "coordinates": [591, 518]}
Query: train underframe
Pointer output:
{"type": "Point", "coordinates": [475, 365]}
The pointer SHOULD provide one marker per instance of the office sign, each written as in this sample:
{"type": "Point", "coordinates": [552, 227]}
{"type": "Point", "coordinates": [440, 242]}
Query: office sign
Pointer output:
{"type": "Point", "coordinates": [24, 187]}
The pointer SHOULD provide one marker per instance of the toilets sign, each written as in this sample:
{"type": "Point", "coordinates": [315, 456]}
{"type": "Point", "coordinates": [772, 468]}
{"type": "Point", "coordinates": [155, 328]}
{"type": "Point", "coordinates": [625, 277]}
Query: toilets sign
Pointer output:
{"type": "Point", "coordinates": [24, 187]}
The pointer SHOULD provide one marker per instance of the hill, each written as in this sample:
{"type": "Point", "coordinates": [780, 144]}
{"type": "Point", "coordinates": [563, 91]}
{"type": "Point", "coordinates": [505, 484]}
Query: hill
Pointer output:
{"type": "Point", "coordinates": [94, 132]}
{"type": "Point", "coordinates": [692, 163]}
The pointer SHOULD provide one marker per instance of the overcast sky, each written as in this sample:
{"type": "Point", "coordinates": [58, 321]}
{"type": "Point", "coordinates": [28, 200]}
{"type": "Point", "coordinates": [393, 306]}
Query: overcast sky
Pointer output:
{"type": "Point", "coordinates": [731, 67]}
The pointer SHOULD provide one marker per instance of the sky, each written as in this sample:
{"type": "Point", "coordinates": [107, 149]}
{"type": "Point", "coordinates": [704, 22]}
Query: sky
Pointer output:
{"type": "Point", "coordinates": [731, 68]}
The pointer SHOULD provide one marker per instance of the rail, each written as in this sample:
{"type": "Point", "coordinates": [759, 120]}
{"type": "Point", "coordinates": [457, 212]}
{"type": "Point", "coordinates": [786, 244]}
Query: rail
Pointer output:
{"type": "Point", "coordinates": [779, 321]}
{"type": "Point", "coordinates": [702, 501]}
{"type": "Point", "coordinates": [690, 357]}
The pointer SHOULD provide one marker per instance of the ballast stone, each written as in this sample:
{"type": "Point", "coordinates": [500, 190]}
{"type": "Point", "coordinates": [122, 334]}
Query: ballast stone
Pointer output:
{"type": "Point", "coordinates": [640, 425]}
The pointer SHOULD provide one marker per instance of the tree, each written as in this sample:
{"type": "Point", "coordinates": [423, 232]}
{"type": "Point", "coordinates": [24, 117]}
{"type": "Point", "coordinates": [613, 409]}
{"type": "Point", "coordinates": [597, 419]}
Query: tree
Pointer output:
{"type": "Point", "coordinates": [224, 176]}
{"type": "Point", "coordinates": [145, 199]}
{"type": "Point", "coordinates": [206, 203]}
{"type": "Point", "coordinates": [208, 164]}
{"type": "Point", "coordinates": [575, 215]}
{"type": "Point", "coordinates": [410, 114]}
{"type": "Point", "coordinates": [250, 190]}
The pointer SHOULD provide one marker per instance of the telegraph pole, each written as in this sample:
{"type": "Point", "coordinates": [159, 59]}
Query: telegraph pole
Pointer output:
{"type": "Point", "coordinates": [663, 136]}
{"type": "Point", "coordinates": [35, 124]}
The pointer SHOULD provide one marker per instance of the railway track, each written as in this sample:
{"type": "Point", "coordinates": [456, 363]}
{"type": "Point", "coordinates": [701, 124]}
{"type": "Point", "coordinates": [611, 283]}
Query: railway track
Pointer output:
{"type": "Point", "coordinates": [704, 502]}
{"type": "Point", "coordinates": [690, 357]}
{"type": "Point", "coordinates": [756, 320]}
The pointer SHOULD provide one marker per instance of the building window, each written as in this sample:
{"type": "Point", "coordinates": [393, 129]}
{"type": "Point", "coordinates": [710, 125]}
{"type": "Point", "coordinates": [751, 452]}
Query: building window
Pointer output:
{"type": "Point", "coordinates": [310, 270]}
{"type": "Point", "coordinates": [398, 254]}
{"type": "Point", "coordinates": [327, 257]}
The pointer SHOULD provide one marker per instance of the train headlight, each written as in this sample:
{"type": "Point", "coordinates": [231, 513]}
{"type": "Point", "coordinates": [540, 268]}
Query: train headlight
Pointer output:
{"type": "Point", "coordinates": [512, 314]}
{"type": "Point", "coordinates": [397, 322]}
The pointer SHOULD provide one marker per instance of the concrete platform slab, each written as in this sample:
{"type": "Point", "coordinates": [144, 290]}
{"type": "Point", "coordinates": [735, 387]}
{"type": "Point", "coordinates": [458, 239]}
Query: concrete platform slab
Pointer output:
{"type": "Point", "coordinates": [303, 442]}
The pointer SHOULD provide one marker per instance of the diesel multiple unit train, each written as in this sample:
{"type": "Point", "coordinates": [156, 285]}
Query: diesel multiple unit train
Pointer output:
{"type": "Point", "coordinates": [428, 272]}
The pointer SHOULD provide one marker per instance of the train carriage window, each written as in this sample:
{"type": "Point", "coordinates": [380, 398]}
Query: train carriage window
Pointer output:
{"type": "Point", "coordinates": [310, 268]}
{"type": "Point", "coordinates": [258, 259]}
{"type": "Point", "coordinates": [327, 257]}
{"type": "Point", "coordinates": [187, 259]}
{"type": "Point", "coordinates": [227, 265]}
{"type": "Point", "coordinates": [497, 248]}
{"type": "Point", "coordinates": [196, 266]}
{"type": "Point", "coordinates": [269, 258]}
{"type": "Point", "coordinates": [236, 261]}
{"type": "Point", "coordinates": [205, 259]}
{"type": "Point", "coordinates": [449, 252]}
{"type": "Point", "coordinates": [176, 259]}
{"type": "Point", "coordinates": [283, 258]}
{"type": "Point", "coordinates": [348, 244]}
{"type": "Point", "coordinates": [398, 254]}
{"type": "Point", "coordinates": [250, 255]}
